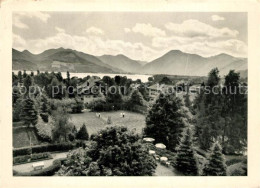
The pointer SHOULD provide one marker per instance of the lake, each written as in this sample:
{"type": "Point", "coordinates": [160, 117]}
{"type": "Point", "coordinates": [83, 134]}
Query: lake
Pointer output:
{"type": "Point", "coordinates": [142, 77]}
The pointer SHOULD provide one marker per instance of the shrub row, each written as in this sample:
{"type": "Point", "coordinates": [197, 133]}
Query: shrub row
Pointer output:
{"type": "Point", "coordinates": [30, 158]}
{"type": "Point", "coordinates": [136, 108]}
{"type": "Point", "coordinates": [49, 171]}
{"type": "Point", "coordinates": [43, 148]}
{"type": "Point", "coordinates": [103, 106]}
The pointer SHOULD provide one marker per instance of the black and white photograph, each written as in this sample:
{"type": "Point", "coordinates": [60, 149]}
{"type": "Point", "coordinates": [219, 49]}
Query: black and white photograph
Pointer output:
{"type": "Point", "coordinates": [129, 93]}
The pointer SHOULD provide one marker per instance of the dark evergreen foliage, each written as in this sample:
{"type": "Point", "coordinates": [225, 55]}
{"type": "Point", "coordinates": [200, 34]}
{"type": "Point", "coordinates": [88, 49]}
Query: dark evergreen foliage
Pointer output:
{"type": "Point", "coordinates": [82, 133]}
{"type": "Point", "coordinates": [29, 113]}
{"type": "Point", "coordinates": [216, 162]}
{"type": "Point", "coordinates": [186, 161]}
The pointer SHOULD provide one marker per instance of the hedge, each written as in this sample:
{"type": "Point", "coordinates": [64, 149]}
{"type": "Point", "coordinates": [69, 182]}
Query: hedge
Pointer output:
{"type": "Point", "coordinates": [31, 158]}
{"type": "Point", "coordinates": [43, 148]}
{"type": "Point", "coordinates": [49, 171]}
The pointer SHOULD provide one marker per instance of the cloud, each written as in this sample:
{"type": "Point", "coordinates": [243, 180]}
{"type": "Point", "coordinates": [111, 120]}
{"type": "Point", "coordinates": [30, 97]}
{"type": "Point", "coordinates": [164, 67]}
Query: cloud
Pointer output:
{"type": "Point", "coordinates": [217, 18]}
{"type": "Point", "coordinates": [60, 30]}
{"type": "Point", "coordinates": [17, 23]}
{"type": "Point", "coordinates": [95, 31]}
{"type": "Point", "coordinates": [193, 36]}
{"type": "Point", "coordinates": [146, 30]}
{"type": "Point", "coordinates": [201, 46]}
{"type": "Point", "coordinates": [18, 41]}
{"type": "Point", "coordinates": [195, 28]}
{"type": "Point", "coordinates": [19, 16]}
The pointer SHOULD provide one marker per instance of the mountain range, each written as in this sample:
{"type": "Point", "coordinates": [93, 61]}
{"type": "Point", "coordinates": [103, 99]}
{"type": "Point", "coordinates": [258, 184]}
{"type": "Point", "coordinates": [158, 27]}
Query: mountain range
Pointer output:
{"type": "Point", "coordinates": [175, 62]}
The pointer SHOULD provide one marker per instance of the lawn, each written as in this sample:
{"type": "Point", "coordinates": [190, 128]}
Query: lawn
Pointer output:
{"type": "Point", "coordinates": [22, 135]}
{"type": "Point", "coordinates": [131, 120]}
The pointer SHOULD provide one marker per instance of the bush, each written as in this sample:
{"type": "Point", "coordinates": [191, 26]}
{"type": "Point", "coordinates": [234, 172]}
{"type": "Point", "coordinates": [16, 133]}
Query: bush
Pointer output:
{"type": "Point", "coordinates": [43, 148]}
{"type": "Point", "coordinates": [237, 169]}
{"type": "Point", "coordinates": [21, 151]}
{"type": "Point", "coordinates": [80, 143]}
{"type": "Point", "coordinates": [44, 130]}
{"type": "Point", "coordinates": [67, 103]}
{"type": "Point", "coordinates": [136, 108]}
{"type": "Point", "coordinates": [101, 106]}
{"type": "Point", "coordinates": [113, 151]}
{"type": "Point", "coordinates": [77, 106]}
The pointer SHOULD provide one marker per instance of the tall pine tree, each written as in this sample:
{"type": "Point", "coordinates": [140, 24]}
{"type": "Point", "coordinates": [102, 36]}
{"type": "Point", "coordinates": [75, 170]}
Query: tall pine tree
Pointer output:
{"type": "Point", "coordinates": [216, 162]}
{"type": "Point", "coordinates": [235, 112]}
{"type": "Point", "coordinates": [186, 161]}
{"type": "Point", "coordinates": [29, 114]}
{"type": "Point", "coordinates": [209, 104]}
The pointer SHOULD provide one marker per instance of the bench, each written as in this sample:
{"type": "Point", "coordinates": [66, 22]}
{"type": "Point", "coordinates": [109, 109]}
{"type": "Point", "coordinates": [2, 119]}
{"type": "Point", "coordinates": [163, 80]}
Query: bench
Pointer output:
{"type": "Point", "coordinates": [38, 166]}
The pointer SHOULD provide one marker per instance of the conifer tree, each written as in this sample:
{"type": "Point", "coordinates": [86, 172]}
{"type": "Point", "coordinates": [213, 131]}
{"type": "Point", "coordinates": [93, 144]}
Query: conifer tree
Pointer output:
{"type": "Point", "coordinates": [28, 81]}
{"type": "Point", "coordinates": [216, 162]}
{"type": "Point", "coordinates": [83, 133]}
{"type": "Point", "coordinates": [29, 114]}
{"type": "Point", "coordinates": [186, 161]}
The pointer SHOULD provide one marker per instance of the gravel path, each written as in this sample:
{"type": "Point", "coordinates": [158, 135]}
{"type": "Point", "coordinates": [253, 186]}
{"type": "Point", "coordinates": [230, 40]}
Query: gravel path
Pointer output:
{"type": "Point", "coordinates": [165, 171]}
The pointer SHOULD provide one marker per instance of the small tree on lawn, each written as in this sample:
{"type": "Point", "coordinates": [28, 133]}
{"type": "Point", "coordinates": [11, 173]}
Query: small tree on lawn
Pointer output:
{"type": "Point", "coordinates": [136, 98]}
{"type": "Point", "coordinates": [186, 161]}
{"type": "Point", "coordinates": [216, 162]}
{"type": "Point", "coordinates": [83, 133]}
{"type": "Point", "coordinates": [29, 114]}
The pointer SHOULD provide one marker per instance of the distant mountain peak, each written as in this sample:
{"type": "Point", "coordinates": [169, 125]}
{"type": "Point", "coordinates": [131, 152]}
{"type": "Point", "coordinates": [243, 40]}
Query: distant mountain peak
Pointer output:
{"type": "Point", "coordinates": [121, 55]}
{"type": "Point", "coordinates": [223, 55]}
{"type": "Point", "coordinates": [176, 51]}
{"type": "Point", "coordinates": [27, 52]}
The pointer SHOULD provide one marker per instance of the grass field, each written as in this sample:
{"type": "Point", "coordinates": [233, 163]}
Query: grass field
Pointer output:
{"type": "Point", "coordinates": [22, 135]}
{"type": "Point", "coordinates": [131, 120]}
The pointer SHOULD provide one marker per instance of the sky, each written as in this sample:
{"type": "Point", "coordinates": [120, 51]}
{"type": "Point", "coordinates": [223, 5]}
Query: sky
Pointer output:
{"type": "Point", "coordinates": [141, 36]}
